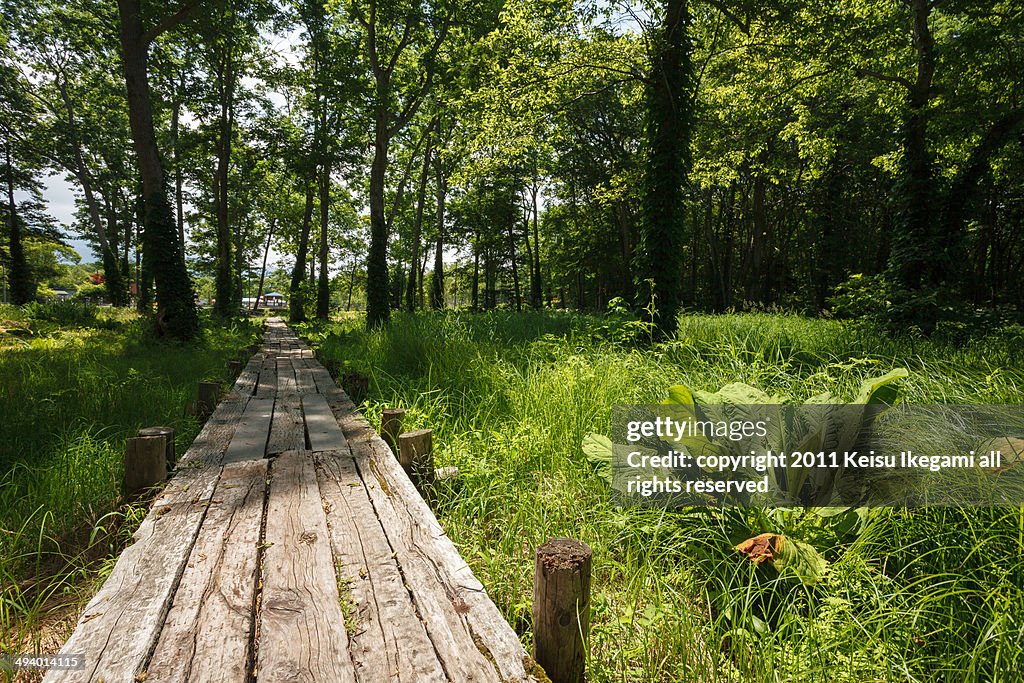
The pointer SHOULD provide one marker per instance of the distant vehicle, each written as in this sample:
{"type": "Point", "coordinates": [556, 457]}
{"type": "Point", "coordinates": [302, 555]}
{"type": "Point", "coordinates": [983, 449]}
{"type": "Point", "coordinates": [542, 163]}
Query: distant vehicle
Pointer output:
{"type": "Point", "coordinates": [269, 301]}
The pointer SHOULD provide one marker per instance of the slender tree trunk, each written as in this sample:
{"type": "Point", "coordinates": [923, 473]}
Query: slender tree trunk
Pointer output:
{"type": "Point", "coordinates": [378, 305]}
{"type": "Point", "coordinates": [536, 286]}
{"type": "Point", "coordinates": [176, 312]}
{"type": "Point", "coordinates": [437, 284]}
{"type": "Point", "coordinates": [23, 288]}
{"type": "Point", "coordinates": [263, 268]}
{"type": "Point", "coordinates": [515, 268]}
{"type": "Point", "coordinates": [323, 290]}
{"type": "Point", "coordinates": [296, 299]}
{"type": "Point", "coordinates": [476, 270]}
{"type": "Point", "coordinates": [351, 283]}
{"type": "Point", "coordinates": [411, 298]}
{"type": "Point", "coordinates": [176, 158]}
{"type": "Point", "coordinates": [227, 293]}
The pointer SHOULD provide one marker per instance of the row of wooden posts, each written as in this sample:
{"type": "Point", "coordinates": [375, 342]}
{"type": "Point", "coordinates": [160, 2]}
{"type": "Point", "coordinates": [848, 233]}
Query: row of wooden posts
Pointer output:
{"type": "Point", "coordinates": [561, 571]}
{"type": "Point", "coordinates": [562, 566]}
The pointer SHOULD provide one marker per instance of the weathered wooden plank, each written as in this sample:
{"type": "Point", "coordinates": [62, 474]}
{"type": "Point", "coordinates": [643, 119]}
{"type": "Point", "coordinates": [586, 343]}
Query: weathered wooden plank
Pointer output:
{"type": "Point", "coordinates": [198, 470]}
{"type": "Point", "coordinates": [468, 631]}
{"type": "Point", "coordinates": [304, 376]}
{"type": "Point", "coordinates": [302, 629]}
{"type": "Point", "coordinates": [323, 430]}
{"type": "Point", "coordinates": [250, 439]}
{"type": "Point", "coordinates": [249, 377]}
{"type": "Point", "coordinates": [287, 430]}
{"type": "Point", "coordinates": [389, 643]}
{"type": "Point", "coordinates": [207, 633]}
{"type": "Point", "coordinates": [285, 377]}
{"type": "Point", "coordinates": [120, 625]}
{"type": "Point", "coordinates": [267, 387]}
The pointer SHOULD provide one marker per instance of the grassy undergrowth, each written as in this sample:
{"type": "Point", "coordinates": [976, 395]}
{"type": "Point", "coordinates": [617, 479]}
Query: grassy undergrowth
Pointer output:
{"type": "Point", "coordinates": [77, 381]}
{"type": "Point", "coordinates": [911, 595]}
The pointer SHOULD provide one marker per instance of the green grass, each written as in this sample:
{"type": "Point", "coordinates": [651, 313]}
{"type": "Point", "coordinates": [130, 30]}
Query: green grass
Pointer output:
{"type": "Point", "coordinates": [77, 381]}
{"type": "Point", "coordinates": [914, 595]}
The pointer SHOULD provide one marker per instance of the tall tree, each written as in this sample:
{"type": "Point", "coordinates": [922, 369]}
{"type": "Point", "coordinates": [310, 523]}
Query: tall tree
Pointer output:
{"type": "Point", "coordinates": [176, 309]}
{"type": "Point", "coordinates": [662, 231]}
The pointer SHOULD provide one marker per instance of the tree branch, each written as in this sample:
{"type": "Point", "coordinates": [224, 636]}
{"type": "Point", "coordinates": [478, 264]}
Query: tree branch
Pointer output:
{"type": "Point", "coordinates": [169, 22]}
{"type": "Point", "coordinates": [859, 71]}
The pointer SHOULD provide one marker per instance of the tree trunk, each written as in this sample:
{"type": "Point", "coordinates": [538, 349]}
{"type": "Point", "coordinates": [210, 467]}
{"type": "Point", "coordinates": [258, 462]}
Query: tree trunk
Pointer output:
{"type": "Point", "coordinates": [536, 285]}
{"type": "Point", "coordinates": [351, 283]}
{"type": "Point", "coordinates": [437, 283]}
{"type": "Point", "coordinates": [668, 137]}
{"type": "Point", "coordinates": [176, 312]}
{"type": "Point", "coordinates": [323, 289]}
{"type": "Point", "coordinates": [263, 268]}
{"type": "Point", "coordinates": [226, 275]}
{"type": "Point", "coordinates": [515, 268]}
{"type": "Point", "coordinates": [411, 299]}
{"type": "Point", "coordinates": [378, 305]}
{"type": "Point", "coordinates": [296, 299]}
{"type": "Point", "coordinates": [23, 289]}
{"type": "Point", "coordinates": [476, 270]}
{"type": "Point", "coordinates": [913, 244]}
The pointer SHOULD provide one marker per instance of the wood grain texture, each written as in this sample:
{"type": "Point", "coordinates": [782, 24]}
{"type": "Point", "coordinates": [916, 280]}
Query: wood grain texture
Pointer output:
{"type": "Point", "coordinates": [302, 629]}
{"type": "Point", "coordinates": [250, 439]}
{"type": "Point", "coordinates": [453, 604]}
{"type": "Point", "coordinates": [390, 642]}
{"type": "Point", "coordinates": [208, 630]}
{"type": "Point", "coordinates": [120, 625]}
{"type": "Point", "coordinates": [287, 429]}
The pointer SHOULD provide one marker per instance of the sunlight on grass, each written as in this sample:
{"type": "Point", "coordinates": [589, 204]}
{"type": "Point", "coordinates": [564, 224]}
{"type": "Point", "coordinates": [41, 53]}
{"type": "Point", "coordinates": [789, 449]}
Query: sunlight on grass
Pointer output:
{"type": "Point", "coordinates": [510, 398]}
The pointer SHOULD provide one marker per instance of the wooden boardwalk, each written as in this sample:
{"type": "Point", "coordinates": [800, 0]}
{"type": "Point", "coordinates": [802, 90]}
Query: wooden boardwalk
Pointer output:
{"type": "Point", "coordinates": [291, 546]}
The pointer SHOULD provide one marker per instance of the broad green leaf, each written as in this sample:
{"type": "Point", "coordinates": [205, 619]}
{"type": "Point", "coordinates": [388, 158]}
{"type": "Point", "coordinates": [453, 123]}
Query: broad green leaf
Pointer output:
{"type": "Point", "coordinates": [879, 390]}
{"type": "Point", "coordinates": [598, 449]}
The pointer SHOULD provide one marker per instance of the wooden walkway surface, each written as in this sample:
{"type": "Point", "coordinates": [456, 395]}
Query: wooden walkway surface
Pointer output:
{"type": "Point", "coordinates": [291, 546]}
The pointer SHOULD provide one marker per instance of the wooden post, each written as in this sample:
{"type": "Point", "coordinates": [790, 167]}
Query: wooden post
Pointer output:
{"type": "Point", "coordinates": [145, 463]}
{"type": "Point", "coordinates": [167, 434]}
{"type": "Point", "coordinates": [209, 394]}
{"type": "Point", "coordinates": [415, 452]}
{"type": "Point", "coordinates": [391, 427]}
{"type": "Point", "coordinates": [561, 608]}
{"type": "Point", "coordinates": [234, 367]}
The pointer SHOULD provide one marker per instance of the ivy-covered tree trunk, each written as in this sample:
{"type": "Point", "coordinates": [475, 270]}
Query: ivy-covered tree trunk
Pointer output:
{"type": "Point", "coordinates": [378, 304]}
{"type": "Point", "coordinates": [668, 128]}
{"type": "Point", "coordinates": [913, 247]}
{"type": "Point", "coordinates": [19, 277]}
{"type": "Point", "coordinates": [176, 309]}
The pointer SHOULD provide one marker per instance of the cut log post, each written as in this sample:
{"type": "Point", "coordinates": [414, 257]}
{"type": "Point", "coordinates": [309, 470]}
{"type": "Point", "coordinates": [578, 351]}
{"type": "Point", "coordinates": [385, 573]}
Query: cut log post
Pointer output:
{"type": "Point", "coordinates": [391, 427]}
{"type": "Point", "coordinates": [416, 454]}
{"type": "Point", "coordinates": [167, 433]}
{"type": "Point", "coordinates": [234, 367]}
{"type": "Point", "coordinates": [145, 463]}
{"type": "Point", "coordinates": [209, 394]}
{"type": "Point", "coordinates": [561, 609]}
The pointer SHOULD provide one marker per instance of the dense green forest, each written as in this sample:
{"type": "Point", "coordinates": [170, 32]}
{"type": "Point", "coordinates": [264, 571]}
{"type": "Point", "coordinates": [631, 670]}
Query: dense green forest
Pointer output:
{"type": "Point", "coordinates": [857, 157]}
{"type": "Point", "coordinates": [507, 216]}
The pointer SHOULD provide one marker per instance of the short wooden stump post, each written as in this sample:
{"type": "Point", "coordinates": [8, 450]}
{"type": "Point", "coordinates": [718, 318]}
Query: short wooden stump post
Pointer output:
{"type": "Point", "coordinates": [167, 434]}
{"type": "Point", "coordinates": [145, 463]}
{"type": "Point", "coordinates": [561, 608]}
{"type": "Point", "coordinates": [209, 394]}
{"type": "Point", "coordinates": [234, 367]}
{"type": "Point", "coordinates": [416, 454]}
{"type": "Point", "coordinates": [391, 427]}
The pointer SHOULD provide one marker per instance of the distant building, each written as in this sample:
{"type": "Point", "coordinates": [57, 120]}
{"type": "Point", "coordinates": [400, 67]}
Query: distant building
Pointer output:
{"type": "Point", "coordinates": [271, 300]}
